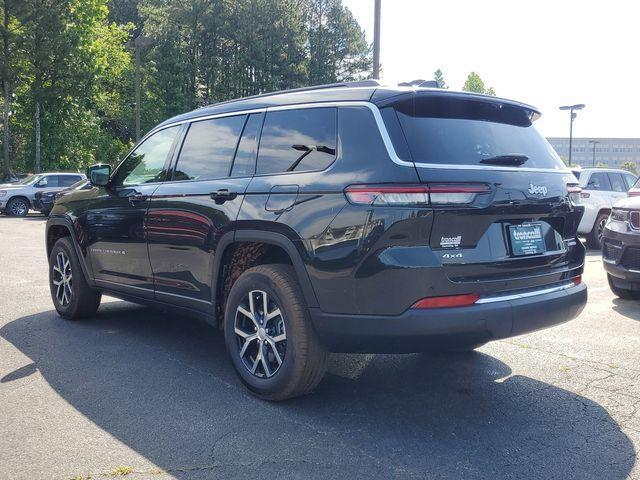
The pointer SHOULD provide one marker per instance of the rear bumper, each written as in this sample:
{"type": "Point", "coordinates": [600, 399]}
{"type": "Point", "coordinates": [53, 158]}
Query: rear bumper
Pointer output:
{"type": "Point", "coordinates": [420, 330]}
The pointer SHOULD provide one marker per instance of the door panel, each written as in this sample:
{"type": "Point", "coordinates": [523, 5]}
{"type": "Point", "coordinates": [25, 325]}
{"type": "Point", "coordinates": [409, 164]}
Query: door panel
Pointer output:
{"type": "Point", "coordinates": [188, 216]}
{"type": "Point", "coordinates": [118, 243]}
{"type": "Point", "coordinates": [115, 225]}
{"type": "Point", "coordinates": [184, 226]}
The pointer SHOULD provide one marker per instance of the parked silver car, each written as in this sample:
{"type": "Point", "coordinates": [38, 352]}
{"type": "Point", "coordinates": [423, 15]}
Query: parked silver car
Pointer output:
{"type": "Point", "coordinates": [16, 199]}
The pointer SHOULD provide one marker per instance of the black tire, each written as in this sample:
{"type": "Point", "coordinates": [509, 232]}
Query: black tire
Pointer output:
{"type": "Point", "coordinates": [82, 301]}
{"type": "Point", "coordinates": [303, 359]}
{"type": "Point", "coordinates": [461, 348]}
{"type": "Point", "coordinates": [594, 239]}
{"type": "Point", "coordinates": [622, 292]}
{"type": "Point", "coordinates": [18, 207]}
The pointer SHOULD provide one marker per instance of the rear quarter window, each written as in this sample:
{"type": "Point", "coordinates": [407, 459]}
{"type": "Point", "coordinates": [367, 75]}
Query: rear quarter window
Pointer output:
{"type": "Point", "coordinates": [298, 140]}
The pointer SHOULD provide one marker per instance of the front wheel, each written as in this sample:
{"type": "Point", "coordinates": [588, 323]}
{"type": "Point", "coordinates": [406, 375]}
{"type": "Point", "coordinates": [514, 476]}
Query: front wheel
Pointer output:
{"type": "Point", "coordinates": [72, 297]}
{"type": "Point", "coordinates": [272, 344]}
{"type": "Point", "coordinates": [18, 207]}
{"type": "Point", "coordinates": [594, 239]}
{"type": "Point", "coordinates": [622, 292]}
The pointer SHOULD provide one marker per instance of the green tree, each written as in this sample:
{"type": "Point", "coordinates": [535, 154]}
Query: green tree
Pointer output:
{"type": "Point", "coordinates": [475, 84]}
{"type": "Point", "coordinates": [338, 50]}
{"type": "Point", "coordinates": [630, 167]}
{"type": "Point", "coordinates": [438, 76]}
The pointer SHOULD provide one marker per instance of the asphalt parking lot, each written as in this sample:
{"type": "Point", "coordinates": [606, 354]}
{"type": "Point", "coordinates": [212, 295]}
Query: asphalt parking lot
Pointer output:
{"type": "Point", "coordinates": [146, 395]}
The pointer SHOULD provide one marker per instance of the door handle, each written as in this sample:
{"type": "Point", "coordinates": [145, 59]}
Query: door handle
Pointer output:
{"type": "Point", "coordinates": [137, 197]}
{"type": "Point", "coordinates": [223, 195]}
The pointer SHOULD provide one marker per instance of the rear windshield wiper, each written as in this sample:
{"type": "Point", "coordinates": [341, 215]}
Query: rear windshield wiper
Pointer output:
{"type": "Point", "coordinates": [307, 149]}
{"type": "Point", "coordinates": [511, 159]}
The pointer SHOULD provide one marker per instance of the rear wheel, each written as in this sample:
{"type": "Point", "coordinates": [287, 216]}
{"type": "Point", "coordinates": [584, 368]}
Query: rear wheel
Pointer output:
{"type": "Point", "coordinates": [622, 292]}
{"type": "Point", "coordinates": [272, 344]}
{"type": "Point", "coordinates": [71, 295]}
{"type": "Point", "coordinates": [18, 207]}
{"type": "Point", "coordinates": [594, 239]}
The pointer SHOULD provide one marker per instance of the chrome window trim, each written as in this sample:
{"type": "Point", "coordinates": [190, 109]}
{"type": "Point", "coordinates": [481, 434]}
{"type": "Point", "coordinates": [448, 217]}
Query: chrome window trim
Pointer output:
{"type": "Point", "coordinates": [517, 296]}
{"type": "Point", "coordinates": [381, 128]}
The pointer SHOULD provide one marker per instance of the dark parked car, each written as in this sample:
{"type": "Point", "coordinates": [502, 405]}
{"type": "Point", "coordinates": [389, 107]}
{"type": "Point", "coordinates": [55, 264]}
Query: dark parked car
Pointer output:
{"type": "Point", "coordinates": [347, 218]}
{"type": "Point", "coordinates": [621, 249]}
{"type": "Point", "coordinates": [43, 201]}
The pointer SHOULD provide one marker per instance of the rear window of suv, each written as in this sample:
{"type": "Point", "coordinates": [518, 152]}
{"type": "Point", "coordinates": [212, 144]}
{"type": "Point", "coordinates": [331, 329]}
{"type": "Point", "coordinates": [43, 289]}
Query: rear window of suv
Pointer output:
{"type": "Point", "coordinates": [455, 131]}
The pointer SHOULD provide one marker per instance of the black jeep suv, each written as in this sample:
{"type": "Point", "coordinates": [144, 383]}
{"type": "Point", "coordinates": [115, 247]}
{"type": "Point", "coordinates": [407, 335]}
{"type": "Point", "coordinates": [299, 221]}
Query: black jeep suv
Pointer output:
{"type": "Point", "coordinates": [345, 218]}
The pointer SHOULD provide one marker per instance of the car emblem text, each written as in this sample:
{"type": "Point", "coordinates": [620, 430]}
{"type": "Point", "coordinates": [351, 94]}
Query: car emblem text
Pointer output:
{"type": "Point", "coordinates": [537, 190]}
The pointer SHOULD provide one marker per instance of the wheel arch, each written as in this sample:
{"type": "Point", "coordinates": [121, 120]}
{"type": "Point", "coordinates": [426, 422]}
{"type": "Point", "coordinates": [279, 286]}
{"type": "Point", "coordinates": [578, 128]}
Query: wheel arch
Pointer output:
{"type": "Point", "coordinates": [60, 227]}
{"type": "Point", "coordinates": [279, 249]}
{"type": "Point", "coordinates": [22, 196]}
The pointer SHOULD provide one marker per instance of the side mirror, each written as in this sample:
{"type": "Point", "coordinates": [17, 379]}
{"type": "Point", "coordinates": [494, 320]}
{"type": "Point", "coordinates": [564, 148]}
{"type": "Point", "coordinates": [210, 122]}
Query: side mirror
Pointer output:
{"type": "Point", "coordinates": [42, 183]}
{"type": "Point", "coordinates": [98, 175]}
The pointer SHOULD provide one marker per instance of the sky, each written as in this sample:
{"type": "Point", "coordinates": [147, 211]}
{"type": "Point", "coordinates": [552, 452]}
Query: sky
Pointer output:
{"type": "Point", "coordinates": [541, 52]}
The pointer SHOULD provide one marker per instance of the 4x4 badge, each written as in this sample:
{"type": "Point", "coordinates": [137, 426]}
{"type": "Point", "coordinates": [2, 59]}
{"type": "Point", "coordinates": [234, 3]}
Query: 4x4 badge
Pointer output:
{"type": "Point", "coordinates": [537, 190]}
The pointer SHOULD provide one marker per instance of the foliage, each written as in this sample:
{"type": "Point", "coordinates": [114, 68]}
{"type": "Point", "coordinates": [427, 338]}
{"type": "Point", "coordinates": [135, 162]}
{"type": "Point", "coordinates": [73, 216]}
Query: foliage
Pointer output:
{"type": "Point", "coordinates": [475, 84]}
{"type": "Point", "coordinates": [630, 167]}
{"type": "Point", "coordinates": [438, 76]}
{"type": "Point", "coordinates": [73, 60]}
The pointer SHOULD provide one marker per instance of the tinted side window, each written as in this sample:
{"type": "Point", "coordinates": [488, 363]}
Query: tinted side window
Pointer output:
{"type": "Point", "coordinates": [631, 180]}
{"type": "Point", "coordinates": [598, 181]}
{"type": "Point", "coordinates": [67, 180]}
{"type": "Point", "coordinates": [297, 140]}
{"type": "Point", "coordinates": [49, 181]}
{"type": "Point", "coordinates": [617, 182]}
{"type": "Point", "coordinates": [208, 149]}
{"type": "Point", "coordinates": [245, 161]}
{"type": "Point", "coordinates": [146, 163]}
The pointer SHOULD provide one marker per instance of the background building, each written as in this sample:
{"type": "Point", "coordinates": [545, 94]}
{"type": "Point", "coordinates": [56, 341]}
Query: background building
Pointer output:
{"type": "Point", "coordinates": [612, 152]}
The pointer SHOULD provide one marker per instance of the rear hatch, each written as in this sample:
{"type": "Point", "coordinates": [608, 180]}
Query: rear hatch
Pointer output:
{"type": "Point", "coordinates": [505, 208]}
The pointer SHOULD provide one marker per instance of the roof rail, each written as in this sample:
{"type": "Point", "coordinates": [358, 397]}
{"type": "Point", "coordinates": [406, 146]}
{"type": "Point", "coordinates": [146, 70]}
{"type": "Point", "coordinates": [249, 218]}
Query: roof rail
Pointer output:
{"type": "Point", "coordinates": [419, 83]}
{"type": "Point", "coordinates": [359, 83]}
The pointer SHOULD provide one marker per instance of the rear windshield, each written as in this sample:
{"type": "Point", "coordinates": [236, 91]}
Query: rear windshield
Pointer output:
{"type": "Point", "coordinates": [464, 132]}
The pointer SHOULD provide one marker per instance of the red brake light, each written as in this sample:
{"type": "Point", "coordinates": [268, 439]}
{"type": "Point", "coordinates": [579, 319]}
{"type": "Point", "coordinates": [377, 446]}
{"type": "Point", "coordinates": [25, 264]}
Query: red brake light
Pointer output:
{"type": "Point", "coordinates": [390, 195]}
{"type": "Point", "coordinates": [577, 280]}
{"type": "Point", "coordinates": [634, 193]}
{"type": "Point", "coordinates": [447, 302]}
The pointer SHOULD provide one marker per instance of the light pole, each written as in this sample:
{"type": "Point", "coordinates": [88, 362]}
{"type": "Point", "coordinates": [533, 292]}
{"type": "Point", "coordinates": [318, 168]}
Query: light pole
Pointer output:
{"type": "Point", "coordinates": [572, 116]}
{"type": "Point", "coordinates": [594, 143]}
{"type": "Point", "coordinates": [376, 40]}
{"type": "Point", "coordinates": [137, 43]}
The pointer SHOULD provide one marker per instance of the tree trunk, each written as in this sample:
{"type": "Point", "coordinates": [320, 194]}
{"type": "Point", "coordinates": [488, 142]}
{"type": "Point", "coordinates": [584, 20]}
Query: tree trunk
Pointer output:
{"type": "Point", "coordinates": [6, 152]}
{"type": "Point", "coordinates": [37, 125]}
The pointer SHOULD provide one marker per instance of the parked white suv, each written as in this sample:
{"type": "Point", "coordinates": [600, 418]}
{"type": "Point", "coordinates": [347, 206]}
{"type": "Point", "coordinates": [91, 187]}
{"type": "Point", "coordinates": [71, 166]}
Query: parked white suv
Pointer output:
{"type": "Point", "coordinates": [16, 199]}
{"type": "Point", "coordinates": [601, 188]}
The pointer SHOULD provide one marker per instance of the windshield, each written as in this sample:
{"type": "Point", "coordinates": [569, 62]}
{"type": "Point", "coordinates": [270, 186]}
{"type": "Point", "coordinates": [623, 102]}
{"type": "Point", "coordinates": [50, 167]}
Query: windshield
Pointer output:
{"type": "Point", "coordinates": [30, 179]}
{"type": "Point", "coordinates": [466, 132]}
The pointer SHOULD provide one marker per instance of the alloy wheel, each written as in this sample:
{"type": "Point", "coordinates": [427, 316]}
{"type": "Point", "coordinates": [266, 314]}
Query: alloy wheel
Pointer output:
{"type": "Point", "coordinates": [260, 334]}
{"type": "Point", "coordinates": [601, 226]}
{"type": "Point", "coordinates": [63, 279]}
{"type": "Point", "coordinates": [18, 208]}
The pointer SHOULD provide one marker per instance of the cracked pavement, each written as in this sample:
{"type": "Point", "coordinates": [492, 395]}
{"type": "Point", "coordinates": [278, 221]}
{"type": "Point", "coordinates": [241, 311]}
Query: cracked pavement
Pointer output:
{"type": "Point", "coordinates": [153, 392]}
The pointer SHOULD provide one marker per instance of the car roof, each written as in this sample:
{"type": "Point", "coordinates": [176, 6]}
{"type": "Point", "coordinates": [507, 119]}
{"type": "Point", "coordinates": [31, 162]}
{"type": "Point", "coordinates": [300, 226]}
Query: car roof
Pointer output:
{"type": "Point", "coordinates": [365, 91]}
{"type": "Point", "coordinates": [604, 169]}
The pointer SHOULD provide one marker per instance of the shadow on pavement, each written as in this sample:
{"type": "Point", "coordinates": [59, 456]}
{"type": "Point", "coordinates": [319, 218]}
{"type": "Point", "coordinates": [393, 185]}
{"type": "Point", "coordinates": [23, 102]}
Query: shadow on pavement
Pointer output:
{"type": "Point", "coordinates": [628, 308]}
{"type": "Point", "coordinates": [162, 385]}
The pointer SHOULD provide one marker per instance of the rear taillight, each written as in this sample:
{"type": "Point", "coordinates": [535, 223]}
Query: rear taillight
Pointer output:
{"type": "Point", "coordinates": [634, 193]}
{"type": "Point", "coordinates": [388, 194]}
{"type": "Point", "coordinates": [446, 302]}
{"type": "Point", "coordinates": [455, 194]}
{"type": "Point", "coordinates": [577, 280]}
{"type": "Point", "coordinates": [430, 194]}
{"type": "Point", "coordinates": [575, 194]}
